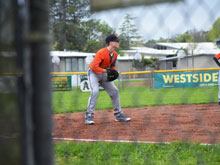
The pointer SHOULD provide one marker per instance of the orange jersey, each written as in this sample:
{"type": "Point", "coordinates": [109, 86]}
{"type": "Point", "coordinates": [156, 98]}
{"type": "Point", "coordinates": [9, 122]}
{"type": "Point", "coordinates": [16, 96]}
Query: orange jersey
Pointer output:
{"type": "Point", "coordinates": [103, 59]}
{"type": "Point", "coordinates": [217, 56]}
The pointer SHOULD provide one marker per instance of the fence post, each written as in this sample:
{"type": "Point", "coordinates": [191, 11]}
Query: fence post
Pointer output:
{"type": "Point", "coordinates": [119, 79]}
{"type": "Point", "coordinates": [41, 82]}
{"type": "Point", "coordinates": [23, 63]}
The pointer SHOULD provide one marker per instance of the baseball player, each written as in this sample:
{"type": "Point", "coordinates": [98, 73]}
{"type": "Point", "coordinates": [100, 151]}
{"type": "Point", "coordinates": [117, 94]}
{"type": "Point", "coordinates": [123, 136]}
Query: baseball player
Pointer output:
{"type": "Point", "coordinates": [104, 59]}
{"type": "Point", "coordinates": [216, 58]}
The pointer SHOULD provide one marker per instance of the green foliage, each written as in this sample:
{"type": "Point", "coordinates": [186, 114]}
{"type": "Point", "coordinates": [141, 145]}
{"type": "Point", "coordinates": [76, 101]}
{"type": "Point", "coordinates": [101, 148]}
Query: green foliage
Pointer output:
{"type": "Point", "coordinates": [215, 30]}
{"type": "Point", "coordinates": [96, 33]}
{"type": "Point", "coordinates": [186, 37]}
{"type": "Point", "coordinates": [72, 29]}
{"type": "Point", "coordinates": [99, 153]}
{"type": "Point", "coordinates": [65, 21]}
{"type": "Point", "coordinates": [137, 96]}
{"type": "Point", "coordinates": [151, 63]}
{"type": "Point", "coordinates": [129, 33]}
{"type": "Point", "coordinates": [124, 42]}
{"type": "Point", "coordinates": [191, 36]}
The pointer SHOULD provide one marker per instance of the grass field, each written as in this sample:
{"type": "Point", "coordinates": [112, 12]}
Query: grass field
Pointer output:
{"type": "Point", "coordinates": [179, 153]}
{"type": "Point", "coordinates": [135, 96]}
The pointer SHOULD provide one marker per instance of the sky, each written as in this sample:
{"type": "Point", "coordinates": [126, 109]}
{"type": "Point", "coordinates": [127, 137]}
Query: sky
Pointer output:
{"type": "Point", "coordinates": [167, 19]}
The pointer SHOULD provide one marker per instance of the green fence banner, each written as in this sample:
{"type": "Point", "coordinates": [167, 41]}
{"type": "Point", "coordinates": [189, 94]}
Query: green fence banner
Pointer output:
{"type": "Point", "coordinates": [186, 79]}
{"type": "Point", "coordinates": [62, 83]}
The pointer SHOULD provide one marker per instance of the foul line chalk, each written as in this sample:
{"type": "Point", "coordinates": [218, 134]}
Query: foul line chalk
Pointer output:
{"type": "Point", "coordinates": [115, 141]}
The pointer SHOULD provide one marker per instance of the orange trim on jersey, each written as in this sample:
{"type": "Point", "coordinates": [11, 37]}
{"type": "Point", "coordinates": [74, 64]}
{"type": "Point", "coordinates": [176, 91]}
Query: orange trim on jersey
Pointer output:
{"type": "Point", "coordinates": [217, 56]}
{"type": "Point", "coordinates": [102, 61]}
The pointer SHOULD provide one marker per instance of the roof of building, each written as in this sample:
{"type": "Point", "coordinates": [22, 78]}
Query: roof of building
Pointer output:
{"type": "Point", "coordinates": [173, 48]}
{"type": "Point", "coordinates": [149, 51]}
{"type": "Point", "coordinates": [70, 54]}
{"type": "Point", "coordinates": [202, 48]}
{"type": "Point", "coordinates": [190, 45]}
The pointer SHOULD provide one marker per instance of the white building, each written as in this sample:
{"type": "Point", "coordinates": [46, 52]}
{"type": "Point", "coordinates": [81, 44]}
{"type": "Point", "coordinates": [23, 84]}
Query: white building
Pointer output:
{"type": "Point", "coordinates": [180, 55]}
{"type": "Point", "coordinates": [170, 55]}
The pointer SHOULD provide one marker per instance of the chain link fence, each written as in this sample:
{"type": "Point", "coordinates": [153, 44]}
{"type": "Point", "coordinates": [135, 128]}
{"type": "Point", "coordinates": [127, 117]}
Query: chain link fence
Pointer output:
{"type": "Point", "coordinates": [158, 115]}
{"type": "Point", "coordinates": [9, 113]}
{"type": "Point", "coordinates": [25, 97]}
{"type": "Point", "coordinates": [24, 130]}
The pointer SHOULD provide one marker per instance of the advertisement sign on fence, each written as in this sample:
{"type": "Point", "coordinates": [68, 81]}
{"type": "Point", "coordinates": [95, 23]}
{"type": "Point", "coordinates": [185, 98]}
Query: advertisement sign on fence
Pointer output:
{"type": "Point", "coordinates": [186, 79]}
{"type": "Point", "coordinates": [61, 83]}
{"type": "Point", "coordinates": [84, 84]}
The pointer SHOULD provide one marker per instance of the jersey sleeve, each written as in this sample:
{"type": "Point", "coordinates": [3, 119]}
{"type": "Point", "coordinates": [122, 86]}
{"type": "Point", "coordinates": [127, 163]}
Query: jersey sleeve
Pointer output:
{"type": "Point", "coordinates": [95, 64]}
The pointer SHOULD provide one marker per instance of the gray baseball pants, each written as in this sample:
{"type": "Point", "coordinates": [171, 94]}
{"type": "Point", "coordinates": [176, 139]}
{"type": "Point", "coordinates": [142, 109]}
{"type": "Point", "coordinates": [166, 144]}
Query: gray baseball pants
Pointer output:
{"type": "Point", "coordinates": [94, 81]}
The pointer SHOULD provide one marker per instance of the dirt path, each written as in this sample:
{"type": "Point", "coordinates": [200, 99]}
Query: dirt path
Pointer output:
{"type": "Point", "coordinates": [168, 123]}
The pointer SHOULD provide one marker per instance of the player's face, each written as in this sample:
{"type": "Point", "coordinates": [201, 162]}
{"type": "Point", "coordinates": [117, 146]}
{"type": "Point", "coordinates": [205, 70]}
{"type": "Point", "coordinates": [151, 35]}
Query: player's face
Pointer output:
{"type": "Point", "coordinates": [115, 44]}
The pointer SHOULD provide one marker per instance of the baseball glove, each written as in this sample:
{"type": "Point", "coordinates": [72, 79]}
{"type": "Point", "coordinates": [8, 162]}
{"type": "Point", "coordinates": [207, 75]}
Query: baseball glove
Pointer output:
{"type": "Point", "coordinates": [112, 74]}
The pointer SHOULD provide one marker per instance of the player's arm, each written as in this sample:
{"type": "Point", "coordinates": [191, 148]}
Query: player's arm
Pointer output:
{"type": "Point", "coordinates": [95, 64]}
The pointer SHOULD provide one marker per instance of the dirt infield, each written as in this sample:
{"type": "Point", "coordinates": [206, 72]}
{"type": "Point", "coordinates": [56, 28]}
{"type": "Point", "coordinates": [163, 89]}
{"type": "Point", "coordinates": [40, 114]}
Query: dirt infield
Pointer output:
{"type": "Point", "coordinates": [167, 123]}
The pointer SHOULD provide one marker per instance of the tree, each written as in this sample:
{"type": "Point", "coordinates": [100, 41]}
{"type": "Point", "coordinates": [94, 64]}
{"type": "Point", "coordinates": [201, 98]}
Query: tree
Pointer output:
{"type": "Point", "coordinates": [72, 29]}
{"type": "Point", "coordinates": [152, 63]}
{"type": "Point", "coordinates": [129, 33]}
{"type": "Point", "coordinates": [192, 36]}
{"type": "Point", "coordinates": [96, 33]}
{"type": "Point", "coordinates": [200, 36]}
{"type": "Point", "coordinates": [186, 37]}
{"type": "Point", "coordinates": [66, 23]}
{"type": "Point", "coordinates": [215, 30]}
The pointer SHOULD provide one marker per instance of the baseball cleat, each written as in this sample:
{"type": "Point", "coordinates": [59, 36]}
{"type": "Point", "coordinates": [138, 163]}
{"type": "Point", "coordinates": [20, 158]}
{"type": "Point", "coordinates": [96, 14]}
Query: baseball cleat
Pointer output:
{"type": "Point", "coordinates": [89, 122]}
{"type": "Point", "coordinates": [89, 119]}
{"type": "Point", "coordinates": [121, 117]}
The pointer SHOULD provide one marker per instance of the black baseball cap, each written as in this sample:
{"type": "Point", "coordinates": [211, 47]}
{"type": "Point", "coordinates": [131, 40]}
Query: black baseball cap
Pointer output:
{"type": "Point", "coordinates": [112, 37]}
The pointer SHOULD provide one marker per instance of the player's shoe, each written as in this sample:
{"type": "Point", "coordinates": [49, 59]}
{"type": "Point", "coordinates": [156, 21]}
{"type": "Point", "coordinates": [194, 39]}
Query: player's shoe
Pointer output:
{"type": "Point", "coordinates": [219, 103]}
{"type": "Point", "coordinates": [89, 119]}
{"type": "Point", "coordinates": [121, 117]}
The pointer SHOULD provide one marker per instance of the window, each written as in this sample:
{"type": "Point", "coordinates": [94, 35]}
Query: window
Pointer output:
{"type": "Point", "coordinates": [74, 64]}
{"type": "Point", "coordinates": [174, 64]}
{"type": "Point", "coordinates": [81, 65]}
{"type": "Point", "coordinates": [68, 64]}
{"type": "Point", "coordinates": [169, 65]}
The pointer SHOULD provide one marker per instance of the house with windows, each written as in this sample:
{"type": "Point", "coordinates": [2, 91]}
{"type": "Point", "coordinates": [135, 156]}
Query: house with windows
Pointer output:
{"type": "Point", "coordinates": [69, 61]}
{"type": "Point", "coordinates": [190, 55]}
{"type": "Point", "coordinates": [171, 56]}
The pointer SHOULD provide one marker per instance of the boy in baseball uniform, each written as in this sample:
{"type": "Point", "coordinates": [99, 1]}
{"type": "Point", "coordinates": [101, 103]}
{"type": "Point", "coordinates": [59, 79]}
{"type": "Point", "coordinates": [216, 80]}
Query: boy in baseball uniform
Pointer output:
{"type": "Point", "coordinates": [104, 59]}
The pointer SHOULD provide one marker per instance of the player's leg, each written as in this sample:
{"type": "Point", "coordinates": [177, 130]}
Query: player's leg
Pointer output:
{"type": "Point", "coordinates": [112, 90]}
{"type": "Point", "coordinates": [94, 86]}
